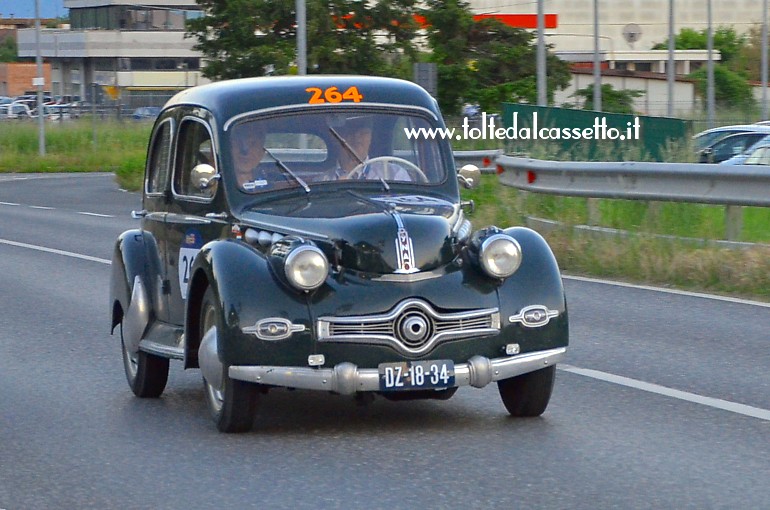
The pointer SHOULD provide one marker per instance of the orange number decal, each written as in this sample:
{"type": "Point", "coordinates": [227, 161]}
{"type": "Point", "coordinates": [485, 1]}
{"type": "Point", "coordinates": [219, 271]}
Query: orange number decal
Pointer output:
{"type": "Point", "coordinates": [333, 95]}
{"type": "Point", "coordinates": [316, 95]}
{"type": "Point", "coordinates": [352, 94]}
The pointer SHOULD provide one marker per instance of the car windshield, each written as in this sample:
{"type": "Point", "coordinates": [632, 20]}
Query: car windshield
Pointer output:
{"type": "Point", "coordinates": [319, 148]}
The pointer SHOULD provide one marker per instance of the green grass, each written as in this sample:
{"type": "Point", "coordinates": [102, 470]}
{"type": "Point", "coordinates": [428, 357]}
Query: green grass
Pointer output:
{"type": "Point", "coordinates": [74, 146]}
{"type": "Point", "coordinates": [639, 257]}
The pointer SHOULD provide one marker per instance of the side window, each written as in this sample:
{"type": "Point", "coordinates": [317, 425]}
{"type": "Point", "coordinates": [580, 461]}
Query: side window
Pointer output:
{"type": "Point", "coordinates": [158, 168]}
{"type": "Point", "coordinates": [194, 147]}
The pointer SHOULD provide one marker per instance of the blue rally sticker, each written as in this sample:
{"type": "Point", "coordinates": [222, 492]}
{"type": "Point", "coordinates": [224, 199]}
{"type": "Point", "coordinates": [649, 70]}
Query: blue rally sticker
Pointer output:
{"type": "Point", "coordinates": [191, 245]}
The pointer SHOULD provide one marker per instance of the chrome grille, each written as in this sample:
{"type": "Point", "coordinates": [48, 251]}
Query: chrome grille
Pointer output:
{"type": "Point", "coordinates": [412, 327]}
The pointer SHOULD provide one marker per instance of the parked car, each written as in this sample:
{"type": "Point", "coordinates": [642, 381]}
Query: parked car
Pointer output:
{"type": "Point", "coordinates": [15, 111]}
{"type": "Point", "coordinates": [730, 146]}
{"type": "Point", "coordinates": [146, 113]}
{"type": "Point", "coordinates": [256, 264]}
{"type": "Point", "coordinates": [708, 137]}
{"type": "Point", "coordinates": [759, 154]}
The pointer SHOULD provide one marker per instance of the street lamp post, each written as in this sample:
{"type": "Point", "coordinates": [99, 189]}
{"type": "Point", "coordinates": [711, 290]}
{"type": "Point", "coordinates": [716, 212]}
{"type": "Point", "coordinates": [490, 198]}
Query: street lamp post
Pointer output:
{"type": "Point", "coordinates": [301, 37]}
{"type": "Point", "coordinates": [39, 82]}
{"type": "Point", "coordinates": [710, 100]}
{"type": "Point", "coordinates": [670, 72]}
{"type": "Point", "coordinates": [597, 62]}
{"type": "Point", "coordinates": [542, 96]}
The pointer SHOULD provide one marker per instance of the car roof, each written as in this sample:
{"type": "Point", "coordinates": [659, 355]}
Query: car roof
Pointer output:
{"type": "Point", "coordinates": [226, 99]}
{"type": "Point", "coordinates": [737, 127]}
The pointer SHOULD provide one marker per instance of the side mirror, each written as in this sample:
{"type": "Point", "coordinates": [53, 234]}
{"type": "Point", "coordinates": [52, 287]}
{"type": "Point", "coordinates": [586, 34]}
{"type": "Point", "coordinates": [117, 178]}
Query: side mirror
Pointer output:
{"type": "Point", "coordinates": [469, 176]}
{"type": "Point", "coordinates": [203, 177]}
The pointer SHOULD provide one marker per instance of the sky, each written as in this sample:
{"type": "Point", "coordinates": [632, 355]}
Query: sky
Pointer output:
{"type": "Point", "coordinates": [26, 8]}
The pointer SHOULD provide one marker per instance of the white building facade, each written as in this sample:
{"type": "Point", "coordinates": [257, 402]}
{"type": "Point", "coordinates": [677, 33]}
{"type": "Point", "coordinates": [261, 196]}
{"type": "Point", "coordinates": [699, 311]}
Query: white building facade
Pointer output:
{"type": "Point", "coordinates": [135, 48]}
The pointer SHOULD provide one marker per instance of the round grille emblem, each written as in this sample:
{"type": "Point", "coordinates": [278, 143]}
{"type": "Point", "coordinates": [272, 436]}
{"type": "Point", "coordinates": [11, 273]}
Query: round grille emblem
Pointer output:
{"type": "Point", "coordinates": [414, 327]}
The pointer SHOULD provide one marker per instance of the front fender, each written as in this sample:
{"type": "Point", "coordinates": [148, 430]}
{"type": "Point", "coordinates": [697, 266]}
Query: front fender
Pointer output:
{"type": "Point", "coordinates": [537, 282]}
{"type": "Point", "coordinates": [247, 291]}
{"type": "Point", "coordinates": [135, 254]}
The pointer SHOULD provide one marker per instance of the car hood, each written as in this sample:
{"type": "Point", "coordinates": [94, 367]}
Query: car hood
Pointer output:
{"type": "Point", "coordinates": [378, 234]}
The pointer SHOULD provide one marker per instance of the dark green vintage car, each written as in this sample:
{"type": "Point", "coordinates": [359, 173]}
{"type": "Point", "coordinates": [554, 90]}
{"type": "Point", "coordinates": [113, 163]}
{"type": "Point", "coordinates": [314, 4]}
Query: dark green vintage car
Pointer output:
{"type": "Point", "coordinates": [307, 232]}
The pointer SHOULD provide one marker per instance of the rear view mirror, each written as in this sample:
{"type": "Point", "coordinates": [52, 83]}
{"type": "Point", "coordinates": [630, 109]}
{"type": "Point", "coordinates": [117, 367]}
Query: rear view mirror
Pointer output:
{"type": "Point", "coordinates": [469, 176]}
{"type": "Point", "coordinates": [204, 177]}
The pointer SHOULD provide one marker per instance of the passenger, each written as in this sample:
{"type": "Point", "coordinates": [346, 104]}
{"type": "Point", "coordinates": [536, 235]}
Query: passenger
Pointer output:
{"type": "Point", "coordinates": [248, 141]}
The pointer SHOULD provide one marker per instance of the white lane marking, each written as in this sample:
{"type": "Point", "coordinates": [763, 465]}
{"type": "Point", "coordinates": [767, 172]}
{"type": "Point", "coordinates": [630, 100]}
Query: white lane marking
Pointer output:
{"type": "Point", "coordinates": [726, 299]}
{"type": "Point", "coordinates": [9, 203]}
{"type": "Point", "coordinates": [725, 405]}
{"type": "Point", "coordinates": [95, 214]}
{"type": "Point", "coordinates": [41, 207]}
{"type": "Point", "coordinates": [57, 252]}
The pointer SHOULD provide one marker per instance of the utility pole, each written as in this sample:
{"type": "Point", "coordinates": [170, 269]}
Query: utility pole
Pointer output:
{"type": "Point", "coordinates": [542, 95]}
{"type": "Point", "coordinates": [671, 71]}
{"type": "Point", "coordinates": [597, 62]}
{"type": "Point", "coordinates": [764, 60]}
{"type": "Point", "coordinates": [301, 37]}
{"type": "Point", "coordinates": [39, 82]}
{"type": "Point", "coordinates": [710, 102]}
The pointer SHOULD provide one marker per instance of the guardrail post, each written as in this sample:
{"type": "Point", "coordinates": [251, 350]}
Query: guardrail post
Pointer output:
{"type": "Point", "coordinates": [594, 214]}
{"type": "Point", "coordinates": [733, 222]}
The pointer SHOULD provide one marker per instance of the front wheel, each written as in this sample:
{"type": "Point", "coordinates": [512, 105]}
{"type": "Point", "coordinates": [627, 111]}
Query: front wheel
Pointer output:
{"type": "Point", "coordinates": [528, 394]}
{"type": "Point", "coordinates": [233, 404]}
{"type": "Point", "coordinates": [146, 374]}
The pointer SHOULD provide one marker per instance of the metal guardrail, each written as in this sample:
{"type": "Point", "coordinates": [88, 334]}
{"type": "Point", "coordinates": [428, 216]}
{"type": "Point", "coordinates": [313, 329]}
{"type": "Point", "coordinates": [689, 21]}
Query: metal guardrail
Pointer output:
{"type": "Point", "coordinates": [677, 182]}
{"type": "Point", "coordinates": [484, 159]}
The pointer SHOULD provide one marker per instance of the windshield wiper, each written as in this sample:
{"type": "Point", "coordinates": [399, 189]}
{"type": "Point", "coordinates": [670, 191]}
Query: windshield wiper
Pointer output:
{"type": "Point", "coordinates": [346, 145]}
{"type": "Point", "coordinates": [288, 170]}
{"type": "Point", "coordinates": [348, 148]}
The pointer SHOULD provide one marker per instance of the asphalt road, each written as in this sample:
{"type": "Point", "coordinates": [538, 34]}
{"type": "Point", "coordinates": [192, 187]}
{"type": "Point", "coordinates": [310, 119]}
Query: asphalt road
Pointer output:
{"type": "Point", "coordinates": [664, 402]}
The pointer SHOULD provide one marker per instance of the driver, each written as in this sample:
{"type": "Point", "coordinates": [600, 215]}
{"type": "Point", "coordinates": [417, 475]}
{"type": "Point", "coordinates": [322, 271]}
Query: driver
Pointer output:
{"type": "Point", "coordinates": [353, 161]}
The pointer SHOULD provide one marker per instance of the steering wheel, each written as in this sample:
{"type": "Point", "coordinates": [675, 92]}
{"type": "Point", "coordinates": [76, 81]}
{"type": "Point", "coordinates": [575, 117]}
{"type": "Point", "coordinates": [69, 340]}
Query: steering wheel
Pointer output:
{"type": "Point", "coordinates": [412, 169]}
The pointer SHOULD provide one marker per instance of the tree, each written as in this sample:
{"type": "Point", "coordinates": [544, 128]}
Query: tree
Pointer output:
{"type": "Point", "coordinates": [256, 37]}
{"type": "Point", "coordinates": [730, 88]}
{"type": "Point", "coordinates": [8, 51]}
{"type": "Point", "coordinates": [485, 62]}
{"type": "Point", "coordinates": [613, 101]}
{"type": "Point", "coordinates": [726, 41]}
{"type": "Point", "coordinates": [749, 58]}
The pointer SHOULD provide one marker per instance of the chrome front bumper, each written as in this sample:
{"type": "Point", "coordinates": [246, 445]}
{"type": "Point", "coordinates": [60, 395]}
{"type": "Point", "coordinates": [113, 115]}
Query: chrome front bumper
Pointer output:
{"type": "Point", "coordinates": [347, 378]}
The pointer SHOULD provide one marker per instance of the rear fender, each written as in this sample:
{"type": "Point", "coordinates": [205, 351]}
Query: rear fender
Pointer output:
{"type": "Point", "coordinates": [135, 258]}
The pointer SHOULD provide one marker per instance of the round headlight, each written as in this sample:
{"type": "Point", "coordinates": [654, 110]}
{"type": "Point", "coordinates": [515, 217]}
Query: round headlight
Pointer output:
{"type": "Point", "coordinates": [500, 256]}
{"type": "Point", "coordinates": [306, 267]}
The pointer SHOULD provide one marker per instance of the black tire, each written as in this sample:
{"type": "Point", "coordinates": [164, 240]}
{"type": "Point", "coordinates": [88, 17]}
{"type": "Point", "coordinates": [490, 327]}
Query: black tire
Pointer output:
{"type": "Point", "coordinates": [527, 395]}
{"type": "Point", "coordinates": [234, 405]}
{"type": "Point", "coordinates": [146, 374]}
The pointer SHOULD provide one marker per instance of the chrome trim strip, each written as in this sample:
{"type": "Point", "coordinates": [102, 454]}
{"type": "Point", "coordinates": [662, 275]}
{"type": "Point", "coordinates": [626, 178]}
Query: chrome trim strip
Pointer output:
{"type": "Point", "coordinates": [347, 379]}
{"type": "Point", "coordinates": [305, 106]}
{"type": "Point", "coordinates": [165, 351]}
{"type": "Point", "coordinates": [408, 277]}
{"type": "Point", "coordinates": [324, 325]}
